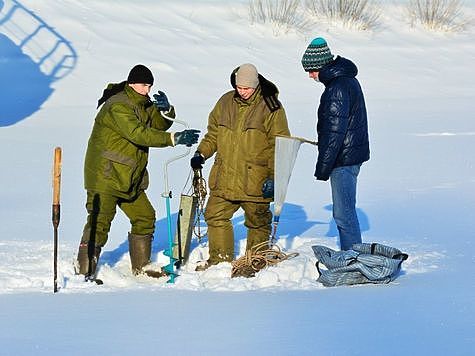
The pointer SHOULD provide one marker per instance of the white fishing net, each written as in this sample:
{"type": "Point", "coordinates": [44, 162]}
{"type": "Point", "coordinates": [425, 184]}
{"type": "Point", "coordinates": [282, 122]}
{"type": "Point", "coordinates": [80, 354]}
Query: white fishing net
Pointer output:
{"type": "Point", "coordinates": [286, 150]}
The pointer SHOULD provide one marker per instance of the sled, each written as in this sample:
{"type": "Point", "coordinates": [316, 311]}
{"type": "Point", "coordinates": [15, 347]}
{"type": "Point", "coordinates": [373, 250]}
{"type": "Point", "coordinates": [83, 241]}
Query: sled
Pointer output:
{"type": "Point", "coordinates": [184, 229]}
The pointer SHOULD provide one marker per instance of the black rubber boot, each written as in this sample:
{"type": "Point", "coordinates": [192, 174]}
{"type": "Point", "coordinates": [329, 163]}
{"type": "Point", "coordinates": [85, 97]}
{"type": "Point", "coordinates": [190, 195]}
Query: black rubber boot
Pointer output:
{"type": "Point", "coordinates": [88, 259]}
{"type": "Point", "coordinates": [140, 250]}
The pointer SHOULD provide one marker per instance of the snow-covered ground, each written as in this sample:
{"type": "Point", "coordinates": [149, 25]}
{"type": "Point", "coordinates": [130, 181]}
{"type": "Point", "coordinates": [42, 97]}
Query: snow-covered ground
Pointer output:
{"type": "Point", "coordinates": [417, 193]}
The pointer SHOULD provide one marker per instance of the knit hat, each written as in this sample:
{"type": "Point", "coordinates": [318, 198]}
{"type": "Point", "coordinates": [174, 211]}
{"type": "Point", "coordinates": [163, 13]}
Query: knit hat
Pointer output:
{"type": "Point", "coordinates": [140, 74]}
{"type": "Point", "coordinates": [247, 76]}
{"type": "Point", "coordinates": [316, 55]}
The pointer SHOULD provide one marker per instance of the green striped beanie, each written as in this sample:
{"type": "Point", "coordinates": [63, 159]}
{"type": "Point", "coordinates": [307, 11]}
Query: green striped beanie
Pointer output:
{"type": "Point", "coordinates": [316, 55]}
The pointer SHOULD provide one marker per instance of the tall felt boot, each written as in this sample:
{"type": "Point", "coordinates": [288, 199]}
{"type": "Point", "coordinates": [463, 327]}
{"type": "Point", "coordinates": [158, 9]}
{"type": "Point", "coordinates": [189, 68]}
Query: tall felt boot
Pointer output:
{"type": "Point", "coordinates": [140, 250]}
{"type": "Point", "coordinates": [221, 247]}
{"type": "Point", "coordinates": [255, 237]}
{"type": "Point", "coordinates": [88, 258]}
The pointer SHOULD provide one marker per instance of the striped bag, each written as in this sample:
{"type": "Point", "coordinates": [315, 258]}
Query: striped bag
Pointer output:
{"type": "Point", "coordinates": [364, 263]}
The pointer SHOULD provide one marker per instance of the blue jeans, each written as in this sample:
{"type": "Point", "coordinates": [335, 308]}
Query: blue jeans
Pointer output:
{"type": "Point", "coordinates": [343, 183]}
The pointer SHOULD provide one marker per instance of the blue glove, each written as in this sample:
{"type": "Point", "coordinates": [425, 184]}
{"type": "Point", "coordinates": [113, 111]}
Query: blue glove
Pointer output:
{"type": "Point", "coordinates": [161, 101]}
{"type": "Point", "coordinates": [268, 188]}
{"type": "Point", "coordinates": [197, 161]}
{"type": "Point", "coordinates": [187, 137]}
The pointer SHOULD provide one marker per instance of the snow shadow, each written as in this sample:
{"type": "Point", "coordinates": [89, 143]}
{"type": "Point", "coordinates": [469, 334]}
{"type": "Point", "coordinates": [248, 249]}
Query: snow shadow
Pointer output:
{"type": "Point", "coordinates": [33, 56]}
{"type": "Point", "coordinates": [160, 242]}
{"type": "Point", "coordinates": [293, 223]}
{"type": "Point", "coordinates": [362, 218]}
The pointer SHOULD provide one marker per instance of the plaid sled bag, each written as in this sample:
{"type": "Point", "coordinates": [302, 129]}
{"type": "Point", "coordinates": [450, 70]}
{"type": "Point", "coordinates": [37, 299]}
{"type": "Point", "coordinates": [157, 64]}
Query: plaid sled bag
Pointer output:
{"type": "Point", "coordinates": [364, 263]}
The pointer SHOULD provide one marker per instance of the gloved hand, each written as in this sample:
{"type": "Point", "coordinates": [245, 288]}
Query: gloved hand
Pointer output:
{"type": "Point", "coordinates": [268, 188]}
{"type": "Point", "coordinates": [187, 137]}
{"type": "Point", "coordinates": [161, 101]}
{"type": "Point", "coordinates": [197, 161]}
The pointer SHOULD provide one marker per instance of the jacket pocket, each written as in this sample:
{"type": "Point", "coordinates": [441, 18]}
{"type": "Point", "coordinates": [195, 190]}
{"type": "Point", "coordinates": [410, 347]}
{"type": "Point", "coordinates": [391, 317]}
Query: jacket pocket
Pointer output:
{"type": "Point", "coordinates": [254, 177]}
{"type": "Point", "coordinates": [216, 171]}
{"type": "Point", "coordinates": [144, 182]}
{"type": "Point", "coordinates": [119, 170]}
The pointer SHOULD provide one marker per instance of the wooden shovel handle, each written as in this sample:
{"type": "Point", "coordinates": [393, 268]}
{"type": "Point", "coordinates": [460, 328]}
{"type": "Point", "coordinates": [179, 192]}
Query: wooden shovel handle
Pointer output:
{"type": "Point", "coordinates": [56, 175]}
{"type": "Point", "coordinates": [301, 139]}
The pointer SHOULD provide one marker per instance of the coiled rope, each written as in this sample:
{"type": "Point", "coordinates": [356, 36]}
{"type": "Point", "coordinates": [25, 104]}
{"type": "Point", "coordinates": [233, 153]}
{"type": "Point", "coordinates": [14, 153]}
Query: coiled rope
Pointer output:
{"type": "Point", "coordinates": [257, 258]}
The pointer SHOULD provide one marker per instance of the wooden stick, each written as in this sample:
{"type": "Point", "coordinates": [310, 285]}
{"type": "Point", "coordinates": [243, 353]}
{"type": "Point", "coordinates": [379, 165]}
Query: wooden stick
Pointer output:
{"type": "Point", "coordinates": [315, 143]}
{"type": "Point", "coordinates": [56, 175]}
{"type": "Point", "coordinates": [56, 210]}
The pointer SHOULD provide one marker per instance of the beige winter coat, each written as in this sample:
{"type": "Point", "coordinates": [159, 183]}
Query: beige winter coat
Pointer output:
{"type": "Point", "coordinates": [242, 134]}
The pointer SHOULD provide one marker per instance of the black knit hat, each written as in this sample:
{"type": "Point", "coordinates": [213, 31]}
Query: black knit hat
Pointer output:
{"type": "Point", "coordinates": [140, 74]}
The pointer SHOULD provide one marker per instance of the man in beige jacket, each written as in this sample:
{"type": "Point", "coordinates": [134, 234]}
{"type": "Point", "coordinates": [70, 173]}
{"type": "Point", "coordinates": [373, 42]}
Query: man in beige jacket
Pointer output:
{"type": "Point", "coordinates": [241, 132]}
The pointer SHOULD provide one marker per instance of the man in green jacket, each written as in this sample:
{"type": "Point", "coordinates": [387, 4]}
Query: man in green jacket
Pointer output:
{"type": "Point", "coordinates": [241, 132]}
{"type": "Point", "coordinates": [115, 173]}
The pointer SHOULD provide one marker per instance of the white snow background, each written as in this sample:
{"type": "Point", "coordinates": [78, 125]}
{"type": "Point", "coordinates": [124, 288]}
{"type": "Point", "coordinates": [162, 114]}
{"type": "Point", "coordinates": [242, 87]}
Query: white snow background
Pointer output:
{"type": "Point", "coordinates": [417, 193]}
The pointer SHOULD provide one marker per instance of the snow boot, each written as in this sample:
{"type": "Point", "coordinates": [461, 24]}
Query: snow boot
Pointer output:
{"type": "Point", "coordinates": [256, 238]}
{"type": "Point", "coordinates": [221, 247]}
{"type": "Point", "coordinates": [87, 260]}
{"type": "Point", "coordinates": [204, 267]}
{"type": "Point", "coordinates": [140, 250]}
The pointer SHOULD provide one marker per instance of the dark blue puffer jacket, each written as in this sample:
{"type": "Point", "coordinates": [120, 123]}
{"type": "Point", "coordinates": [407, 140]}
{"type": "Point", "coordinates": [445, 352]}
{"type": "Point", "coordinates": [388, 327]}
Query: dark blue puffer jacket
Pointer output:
{"type": "Point", "coordinates": [342, 125]}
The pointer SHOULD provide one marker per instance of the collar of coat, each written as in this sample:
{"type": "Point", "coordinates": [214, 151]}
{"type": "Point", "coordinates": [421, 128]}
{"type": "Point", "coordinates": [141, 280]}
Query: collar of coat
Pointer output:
{"type": "Point", "coordinates": [115, 88]}
{"type": "Point", "coordinates": [268, 91]}
{"type": "Point", "coordinates": [110, 90]}
{"type": "Point", "coordinates": [339, 67]}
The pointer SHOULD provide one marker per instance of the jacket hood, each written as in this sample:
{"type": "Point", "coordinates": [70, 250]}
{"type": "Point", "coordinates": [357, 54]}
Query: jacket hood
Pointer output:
{"type": "Point", "coordinates": [110, 90]}
{"type": "Point", "coordinates": [340, 67]}
{"type": "Point", "coordinates": [115, 88]}
{"type": "Point", "coordinates": [269, 90]}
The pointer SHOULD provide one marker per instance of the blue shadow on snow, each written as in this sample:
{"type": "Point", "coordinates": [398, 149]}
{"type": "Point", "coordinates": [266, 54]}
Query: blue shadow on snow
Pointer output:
{"type": "Point", "coordinates": [33, 56]}
{"type": "Point", "coordinates": [293, 223]}
{"type": "Point", "coordinates": [362, 218]}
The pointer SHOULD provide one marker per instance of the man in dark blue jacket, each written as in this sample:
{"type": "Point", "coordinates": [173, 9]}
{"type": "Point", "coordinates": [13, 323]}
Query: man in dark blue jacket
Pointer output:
{"type": "Point", "coordinates": [342, 128]}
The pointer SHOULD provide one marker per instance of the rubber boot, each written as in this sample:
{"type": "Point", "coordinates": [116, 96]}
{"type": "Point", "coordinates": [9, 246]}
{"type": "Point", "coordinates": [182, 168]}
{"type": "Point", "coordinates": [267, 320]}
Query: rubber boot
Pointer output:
{"type": "Point", "coordinates": [87, 260]}
{"type": "Point", "coordinates": [221, 247]}
{"type": "Point", "coordinates": [140, 250]}
{"type": "Point", "coordinates": [256, 237]}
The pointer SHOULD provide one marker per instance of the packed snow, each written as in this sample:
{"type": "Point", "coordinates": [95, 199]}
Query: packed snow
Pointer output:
{"type": "Point", "coordinates": [417, 192]}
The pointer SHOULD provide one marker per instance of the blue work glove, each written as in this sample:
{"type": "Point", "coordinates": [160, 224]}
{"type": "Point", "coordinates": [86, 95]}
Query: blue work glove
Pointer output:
{"type": "Point", "coordinates": [268, 188]}
{"type": "Point", "coordinates": [197, 161]}
{"type": "Point", "coordinates": [161, 101]}
{"type": "Point", "coordinates": [187, 137]}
